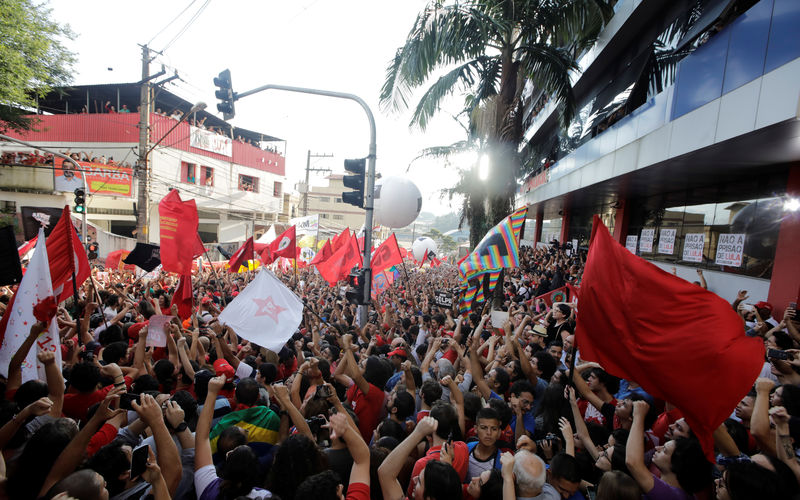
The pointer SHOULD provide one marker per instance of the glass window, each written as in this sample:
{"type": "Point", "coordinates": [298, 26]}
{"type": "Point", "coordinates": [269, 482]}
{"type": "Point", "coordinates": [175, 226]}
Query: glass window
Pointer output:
{"type": "Point", "coordinates": [248, 183]}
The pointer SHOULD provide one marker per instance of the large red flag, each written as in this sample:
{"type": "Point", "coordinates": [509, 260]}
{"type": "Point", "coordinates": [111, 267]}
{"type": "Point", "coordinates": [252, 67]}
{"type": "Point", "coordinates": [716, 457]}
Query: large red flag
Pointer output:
{"type": "Point", "coordinates": [324, 254]}
{"type": "Point", "coordinates": [283, 246]}
{"type": "Point", "coordinates": [66, 255]}
{"type": "Point", "coordinates": [642, 324]}
{"type": "Point", "coordinates": [242, 255]}
{"type": "Point", "coordinates": [340, 239]}
{"type": "Point", "coordinates": [178, 229]}
{"type": "Point", "coordinates": [338, 266]}
{"type": "Point", "coordinates": [386, 256]}
{"type": "Point", "coordinates": [183, 297]}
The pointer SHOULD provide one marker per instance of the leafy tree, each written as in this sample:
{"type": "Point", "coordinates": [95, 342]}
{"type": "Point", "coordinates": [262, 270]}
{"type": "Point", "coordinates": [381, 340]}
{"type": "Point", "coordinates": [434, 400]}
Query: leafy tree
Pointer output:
{"type": "Point", "coordinates": [33, 59]}
{"type": "Point", "coordinates": [489, 48]}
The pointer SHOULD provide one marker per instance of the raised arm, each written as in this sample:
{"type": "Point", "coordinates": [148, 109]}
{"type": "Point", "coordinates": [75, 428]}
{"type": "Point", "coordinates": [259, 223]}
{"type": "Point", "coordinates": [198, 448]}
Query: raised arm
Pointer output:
{"type": "Point", "coordinates": [580, 425]}
{"type": "Point", "coordinates": [341, 428]}
{"type": "Point", "coordinates": [15, 365]}
{"type": "Point", "coordinates": [634, 449]}
{"type": "Point", "coordinates": [55, 382]}
{"type": "Point", "coordinates": [202, 443]}
{"type": "Point", "coordinates": [282, 395]}
{"type": "Point", "coordinates": [476, 369]}
{"type": "Point", "coordinates": [784, 444]}
{"type": "Point", "coordinates": [352, 366]}
{"type": "Point", "coordinates": [168, 458]}
{"type": "Point", "coordinates": [394, 462]}
{"type": "Point", "coordinates": [759, 421]}
{"type": "Point", "coordinates": [583, 387]}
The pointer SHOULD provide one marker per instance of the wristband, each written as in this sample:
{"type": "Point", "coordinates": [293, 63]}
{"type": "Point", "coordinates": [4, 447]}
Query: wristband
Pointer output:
{"type": "Point", "coordinates": [180, 428]}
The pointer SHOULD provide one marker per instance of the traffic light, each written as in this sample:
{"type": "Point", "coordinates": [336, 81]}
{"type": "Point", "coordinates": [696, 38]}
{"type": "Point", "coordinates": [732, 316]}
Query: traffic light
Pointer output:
{"type": "Point", "coordinates": [357, 281]}
{"type": "Point", "coordinates": [355, 182]}
{"type": "Point", "coordinates": [92, 249]}
{"type": "Point", "coordinates": [225, 94]}
{"type": "Point", "coordinates": [80, 201]}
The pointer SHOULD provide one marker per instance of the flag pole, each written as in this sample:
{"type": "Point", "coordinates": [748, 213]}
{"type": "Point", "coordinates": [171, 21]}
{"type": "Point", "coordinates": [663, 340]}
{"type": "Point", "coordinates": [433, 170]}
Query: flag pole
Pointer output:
{"type": "Point", "coordinates": [222, 295]}
{"type": "Point", "coordinates": [99, 300]}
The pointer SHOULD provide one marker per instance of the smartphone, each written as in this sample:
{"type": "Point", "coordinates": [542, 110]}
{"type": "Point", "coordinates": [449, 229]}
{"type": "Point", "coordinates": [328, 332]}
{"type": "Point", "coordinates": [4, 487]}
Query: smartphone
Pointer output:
{"type": "Point", "coordinates": [125, 400]}
{"type": "Point", "coordinates": [139, 461]}
{"type": "Point", "coordinates": [778, 354]}
{"type": "Point", "coordinates": [793, 307]}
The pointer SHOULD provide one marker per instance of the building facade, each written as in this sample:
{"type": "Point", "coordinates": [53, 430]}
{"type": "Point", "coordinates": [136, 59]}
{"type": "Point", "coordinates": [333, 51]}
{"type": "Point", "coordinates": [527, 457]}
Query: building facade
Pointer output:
{"type": "Point", "coordinates": [236, 183]}
{"type": "Point", "coordinates": [333, 212]}
{"type": "Point", "coordinates": [685, 143]}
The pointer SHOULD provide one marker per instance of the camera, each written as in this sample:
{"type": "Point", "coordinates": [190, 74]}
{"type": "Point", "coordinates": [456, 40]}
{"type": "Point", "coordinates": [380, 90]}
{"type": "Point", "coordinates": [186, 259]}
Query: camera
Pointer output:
{"type": "Point", "coordinates": [323, 392]}
{"type": "Point", "coordinates": [552, 440]}
{"type": "Point", "coordinates": [315, 423]}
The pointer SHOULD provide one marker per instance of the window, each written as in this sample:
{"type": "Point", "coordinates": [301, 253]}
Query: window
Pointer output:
{"type": "Point", "coordinates": [325, 199]}
{"type": "Point", "coordinates": [276, 191]}
{"type": "Point", "coordinates": [206, 176]}
{"type": "Point", "coordinates": [338, 217]}
{"type": "Point", "coordinates": [324, 216]}
{"type": "Point", "coordinates": [188, 172]}
{"type": "Point", "coordinates": [248, 183]}
{"type": "Point", "coordinates": [337, 199]}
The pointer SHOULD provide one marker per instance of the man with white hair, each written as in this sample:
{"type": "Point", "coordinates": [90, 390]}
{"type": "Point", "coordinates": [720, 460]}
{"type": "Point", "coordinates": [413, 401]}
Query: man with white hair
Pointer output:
{"type": "Point", "coordinates": [529, 475]}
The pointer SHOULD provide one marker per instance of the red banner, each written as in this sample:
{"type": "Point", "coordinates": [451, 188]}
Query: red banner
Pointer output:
{"type": "Point", "coordinates": [111, 180]}
{"type": "Point", "coordinates": [178, 228]}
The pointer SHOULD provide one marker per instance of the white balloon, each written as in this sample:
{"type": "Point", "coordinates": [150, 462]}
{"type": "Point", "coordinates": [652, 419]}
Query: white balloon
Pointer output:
{"type": "Point", "coordinates": [397, 202]}
{"type": "Point", "coordinates": [421, 245]}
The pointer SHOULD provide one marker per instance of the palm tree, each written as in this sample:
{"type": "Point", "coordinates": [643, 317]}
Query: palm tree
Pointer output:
{"type": "Point", "coordinates": [489, 48]}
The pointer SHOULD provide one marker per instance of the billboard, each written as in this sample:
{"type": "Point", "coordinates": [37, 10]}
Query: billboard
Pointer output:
{"type": "Point", "coordinates": [101, 179]}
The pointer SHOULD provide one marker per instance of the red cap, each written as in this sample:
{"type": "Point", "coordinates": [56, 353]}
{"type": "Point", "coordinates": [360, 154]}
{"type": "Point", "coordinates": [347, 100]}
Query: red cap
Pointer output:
{"type": "Point", "coordinates": [222, 367]}
{"type": "Point", "coordinates": [133, 330]}
{"type": "Point", "coordinates": [398, 352]}
{"type": "Point", "coordinates": [764, 305]}
{"type": "Point", "coordinates": [205, 300]}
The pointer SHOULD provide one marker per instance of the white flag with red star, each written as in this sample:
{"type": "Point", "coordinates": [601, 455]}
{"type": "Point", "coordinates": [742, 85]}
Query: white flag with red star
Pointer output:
{"type": "Point", "coordinates": [266, 312]}
{"type": "Point", "coordinates": [34, 288]}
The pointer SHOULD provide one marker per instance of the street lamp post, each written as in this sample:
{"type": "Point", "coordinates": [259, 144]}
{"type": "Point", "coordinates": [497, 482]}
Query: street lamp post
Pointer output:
{"type": "Point", "coordinates": [63, 157]}
{"type": "Point", "coordinates": [370, 187]}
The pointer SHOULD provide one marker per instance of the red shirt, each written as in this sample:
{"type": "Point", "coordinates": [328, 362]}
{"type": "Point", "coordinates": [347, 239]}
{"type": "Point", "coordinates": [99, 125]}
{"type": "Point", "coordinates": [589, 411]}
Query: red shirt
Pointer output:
{"type": "Point", "coordinates": [460, 463]}
{"type": "Point", "coordinates": [76, 404]}
{"type": "Point", "coordinates": [367, 408]}
{"type": "Point", "coordinates": [357, 491]}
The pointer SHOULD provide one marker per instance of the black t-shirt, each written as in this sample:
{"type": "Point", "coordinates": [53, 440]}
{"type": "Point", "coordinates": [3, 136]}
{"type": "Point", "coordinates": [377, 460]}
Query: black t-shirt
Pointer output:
{"type": "Point", "coordinates": [554, 331]}
{"type": "Point", "coordinates": [340, 462]}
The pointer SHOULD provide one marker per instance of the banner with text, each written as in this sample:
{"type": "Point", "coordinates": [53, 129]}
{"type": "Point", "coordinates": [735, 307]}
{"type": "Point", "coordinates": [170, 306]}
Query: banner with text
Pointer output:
{"type": "Point", "coordinates": [308, 225]}
{"type": "Point", "coordinates": [210, 141]}
{"type": "Point", "coordinates": [730, 250]}
{"type": "Point", "coordinates": [109, 180]}
{"type": "Point", "coordinates": [630, 243]}
{"type": "Point", "coordinates": [666, 241]}
{"type": "Point", "coordinates": [646, 240]}
{"type": "Point", "coordinates": [693, 244]}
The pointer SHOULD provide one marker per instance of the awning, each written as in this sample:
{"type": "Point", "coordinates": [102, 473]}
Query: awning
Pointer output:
{"type": "Point", "coordinates": [711, 13]}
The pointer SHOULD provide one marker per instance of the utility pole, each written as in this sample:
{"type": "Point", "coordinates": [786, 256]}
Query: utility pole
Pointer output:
{"type": "Point", "coordinates": [309, 169]}
{"type": "Point", "coordinates": [143, 199]}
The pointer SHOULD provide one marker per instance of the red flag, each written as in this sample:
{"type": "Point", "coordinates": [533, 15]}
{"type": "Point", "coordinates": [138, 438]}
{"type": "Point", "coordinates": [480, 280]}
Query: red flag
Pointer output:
{"type": "Point", "coordinates": [66, 255]}
{"type": "Point", "coordinates": [340, 263]}
{"type": "Point", "coordinates": [27, 247]}
{"type": "Point", "coordinates": [199, 248]}
{"type": "Point", "coordinates": [557, 295]}
{"type": "Point", "coordinates": [183, 297]}
{"type": "Point", "coordinates": [242, 255]}
{"type": "Point", "coordinates": [340, 239]}
{"type": "Point", "coordinates": [641, 323]}
{"type": "Point", "coordinates": [178, 229]}
{"type": "Point", "coordinates": [386, 256]}
{"type": "Point", "coordinates": [114, 260]}
{"type": "Point", "coordinates": [403, 252]}
{"type": "Point", "coordinates": [283, 246]}
{"type": "Point", "coordinates": [424, 257]}
{"type": "Point", "coordinates": [324, 254]}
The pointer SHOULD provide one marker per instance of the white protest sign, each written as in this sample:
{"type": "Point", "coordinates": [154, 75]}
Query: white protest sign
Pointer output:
{"type": "Point", "coordinates": [157, 331]}
{"type": "Point", "coordinates": [693, 244]}
{"type": "Point", "coordinates": [575, 245]}
{"type": "Point", "coordinates": [498, 318]}
{"type": "Point", "coordinates": [646, 240]}
{"type": "Point", "coordinates": [666, 241]}
{"type": "Point", "coordinates": [630, 243]}
{"type": "Point", "coordinates": [730, 249]}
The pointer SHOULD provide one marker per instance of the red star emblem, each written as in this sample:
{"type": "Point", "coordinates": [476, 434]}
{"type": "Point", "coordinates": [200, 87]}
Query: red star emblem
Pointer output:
{"type": "Point", "coordinates": [268, 307]}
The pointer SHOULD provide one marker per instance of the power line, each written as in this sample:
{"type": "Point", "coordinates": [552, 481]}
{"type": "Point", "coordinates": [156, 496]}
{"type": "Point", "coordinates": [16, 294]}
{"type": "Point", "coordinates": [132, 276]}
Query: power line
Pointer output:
{"type": "Point", "coordinates": [171, 22]}
{"type": "Point", "coordinates": [186, 27]}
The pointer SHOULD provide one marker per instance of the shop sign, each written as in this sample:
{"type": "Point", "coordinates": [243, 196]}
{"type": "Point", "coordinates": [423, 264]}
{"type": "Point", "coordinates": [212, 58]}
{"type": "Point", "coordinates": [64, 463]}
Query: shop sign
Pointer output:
{"type": "Point", "coordinates": [210, 141]}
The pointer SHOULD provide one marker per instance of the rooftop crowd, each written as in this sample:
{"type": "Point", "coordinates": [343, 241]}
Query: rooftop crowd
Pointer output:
{"type": "Point", "coordinates": [420, 402]}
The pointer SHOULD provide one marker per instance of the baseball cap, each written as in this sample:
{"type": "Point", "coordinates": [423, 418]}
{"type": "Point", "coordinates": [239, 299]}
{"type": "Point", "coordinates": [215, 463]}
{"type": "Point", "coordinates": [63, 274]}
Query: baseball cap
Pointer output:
{"type": "Point", "coordinates": [222, 367]}
{"type": "Point", "coordinates": [764, 305]}
{"type": "Point", "coordinates": [398, 352]}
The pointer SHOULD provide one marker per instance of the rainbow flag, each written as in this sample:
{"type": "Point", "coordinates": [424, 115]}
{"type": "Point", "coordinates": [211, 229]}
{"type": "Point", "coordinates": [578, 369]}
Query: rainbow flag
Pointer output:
{"type": "Point", "coordinates": [261, 424]}
{"type": "Point", "coordinates": [497, 250]}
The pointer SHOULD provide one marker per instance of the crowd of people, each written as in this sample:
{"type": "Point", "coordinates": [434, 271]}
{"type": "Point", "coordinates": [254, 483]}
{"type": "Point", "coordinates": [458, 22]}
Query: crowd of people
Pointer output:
{"type": "Point", "coordinates": [34, 158]}
{"type": "Point", "coordinates": [419, 402]}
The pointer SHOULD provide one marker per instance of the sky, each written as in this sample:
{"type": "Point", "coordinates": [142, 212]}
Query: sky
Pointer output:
{"type": "Point", "coordinates": [342, 45]}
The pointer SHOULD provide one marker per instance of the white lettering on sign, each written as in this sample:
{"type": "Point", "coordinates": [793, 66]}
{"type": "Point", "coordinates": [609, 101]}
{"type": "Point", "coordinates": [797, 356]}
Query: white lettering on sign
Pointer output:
{"type": "Point", "coordinates": [730, 250]}
{"type": "Point", "coordinates": [693, 244]}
